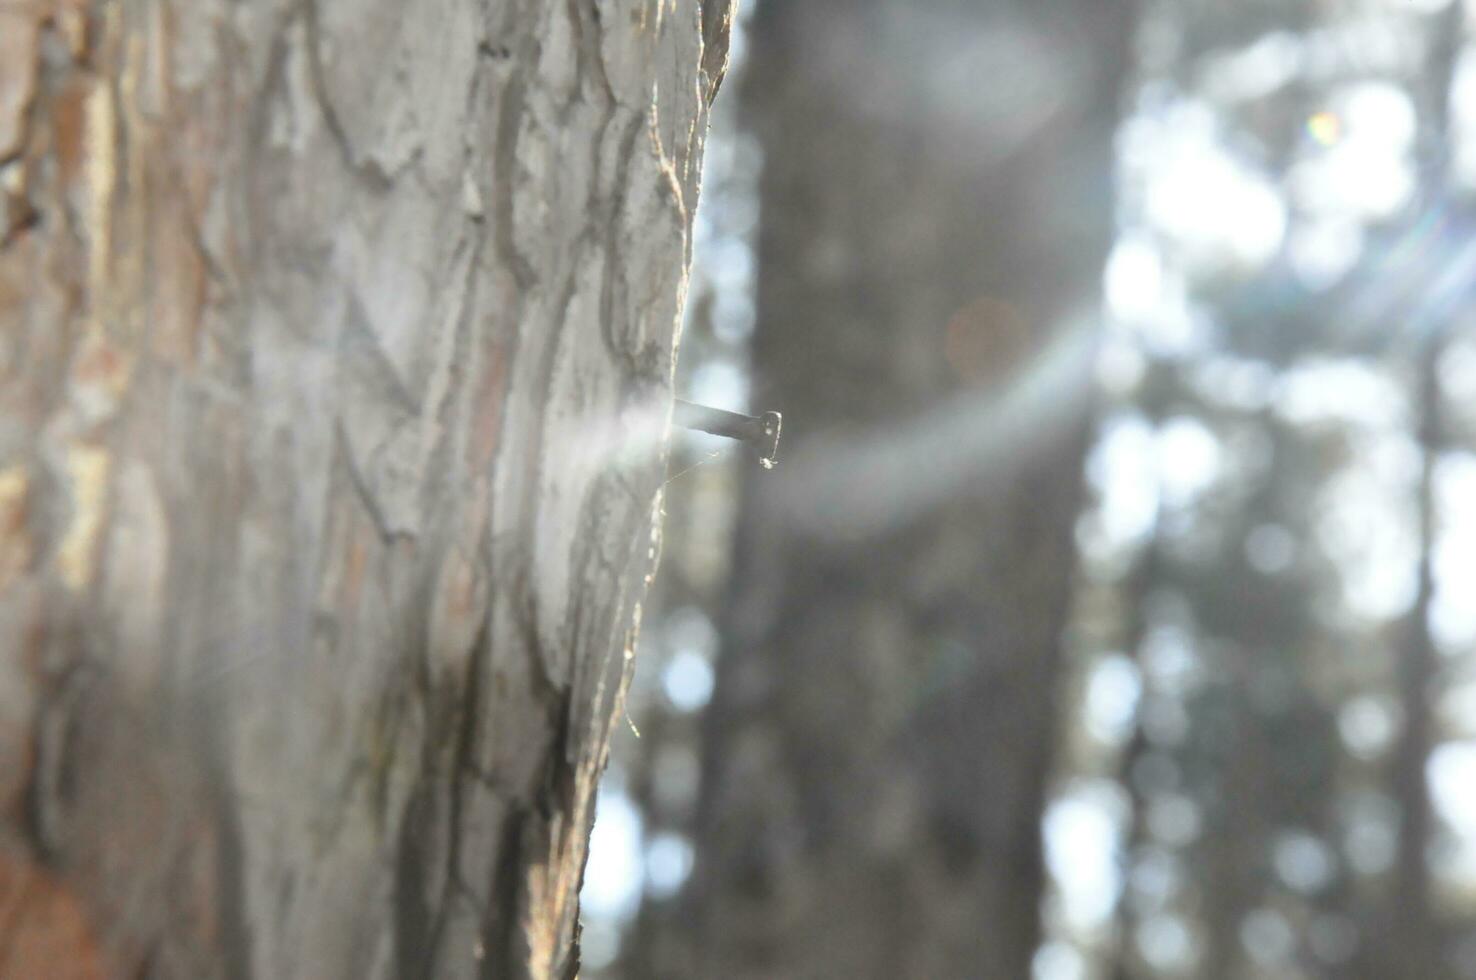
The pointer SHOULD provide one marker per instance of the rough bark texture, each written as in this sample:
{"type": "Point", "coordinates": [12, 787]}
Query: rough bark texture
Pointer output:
{"type": "Point", "coordinates": [335, 353]}
{"type": "Point", "coordinates": [935, 210]}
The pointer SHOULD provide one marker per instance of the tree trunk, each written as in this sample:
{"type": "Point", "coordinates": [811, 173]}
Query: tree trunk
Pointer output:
{"type": "Point", "coordinates": [1413, 940]}
{"type": "Point", "coordinates": [336, 340]}
{"type": "Point", "coordinates": [936, 206]}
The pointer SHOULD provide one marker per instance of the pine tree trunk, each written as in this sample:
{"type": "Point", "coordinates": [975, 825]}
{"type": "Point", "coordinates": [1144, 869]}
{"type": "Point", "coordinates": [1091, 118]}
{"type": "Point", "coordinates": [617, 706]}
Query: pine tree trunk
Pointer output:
{"type": "Point", "coordinates": [936, 206]}
{"type": "Point", "coordinates": [335, 352]}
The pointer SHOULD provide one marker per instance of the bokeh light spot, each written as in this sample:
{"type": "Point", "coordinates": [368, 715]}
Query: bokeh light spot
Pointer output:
{"type": "Point", "coordinates": [1325, 127]}
{"type": "Point", "coordinates": [985, 339]}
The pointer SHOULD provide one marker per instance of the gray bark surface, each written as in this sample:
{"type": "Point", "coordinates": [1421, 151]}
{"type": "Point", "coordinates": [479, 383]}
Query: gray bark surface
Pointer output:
{"type": "Point", "coordinates": [335, 351]}
{"type": "Point", "coordinates": [935, 208]}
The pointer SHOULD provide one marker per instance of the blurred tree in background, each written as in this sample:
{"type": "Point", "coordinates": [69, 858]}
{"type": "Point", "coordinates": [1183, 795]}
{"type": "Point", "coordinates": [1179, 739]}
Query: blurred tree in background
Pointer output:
{"type": "Point", "coordinates": [928, 259]}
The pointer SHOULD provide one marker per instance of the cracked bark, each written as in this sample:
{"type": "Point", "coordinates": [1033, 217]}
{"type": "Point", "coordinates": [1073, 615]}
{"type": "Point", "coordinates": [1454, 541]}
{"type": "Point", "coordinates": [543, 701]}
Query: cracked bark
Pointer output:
{"type": "Point", "coordinates": [335, 355]}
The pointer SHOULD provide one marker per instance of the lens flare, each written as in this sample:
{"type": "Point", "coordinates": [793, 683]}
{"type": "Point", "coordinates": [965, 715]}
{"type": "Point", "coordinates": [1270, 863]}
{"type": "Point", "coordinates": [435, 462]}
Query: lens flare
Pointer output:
{"type": "Point", "coordinates": [1325, 127]}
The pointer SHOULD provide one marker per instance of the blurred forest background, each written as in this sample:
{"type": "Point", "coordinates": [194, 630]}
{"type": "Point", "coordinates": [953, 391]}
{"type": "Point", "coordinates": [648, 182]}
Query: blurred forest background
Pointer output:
{"type": "Point", "coordinates": [1112, 611]}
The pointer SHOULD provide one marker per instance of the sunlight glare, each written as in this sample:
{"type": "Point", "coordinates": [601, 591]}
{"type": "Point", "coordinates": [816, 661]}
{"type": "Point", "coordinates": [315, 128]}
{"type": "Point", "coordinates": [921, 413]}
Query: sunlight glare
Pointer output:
{"type": "Point", "coordinates": [1366, 527]}
{"type": "Point", "coordinates": [1452, 613]}
{"type": "Point", "coordinates": [1113, 690]}
{"type": "Point", "coordinates": [1451, 774]}
{"type": "Point", "coordinates": [720, 384]}
{"type": "Point", "coordinates": [613, 875]}
{"type": "Point", "coordinates": [1380, 113]}
{"type": "Point", "coordinates": [1337, 392]}
{"type": "Point", "coordinates": [1083, 830]}
{"type": "Point", "coordinates": [1189, 460]}
{"type": "Point", "coordinates": [1463, 118]}
{"type": "Point", "coordinates": [1364, 168]}
{"type": "Point", "coordinates": [1218, 211]}
{"type": "Point", "coordinates": [688, 681]}
{"type": "Point", "coordinates": [1133, 278]}
{"type": "Point", "coordinates": [1121, 469]}
{"type": "Point", "coordinates": [1058, 961]}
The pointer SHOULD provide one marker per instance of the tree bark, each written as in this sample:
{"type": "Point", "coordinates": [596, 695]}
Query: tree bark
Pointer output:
{"type": "Point", "coordinates": [936, 206]}
{"type": "Point", "coordinates": [336, 340]}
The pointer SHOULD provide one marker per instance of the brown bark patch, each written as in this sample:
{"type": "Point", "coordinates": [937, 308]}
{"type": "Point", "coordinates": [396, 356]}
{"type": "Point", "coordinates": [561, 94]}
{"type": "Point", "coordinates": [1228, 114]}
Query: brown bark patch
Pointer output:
{"type": "Point", "coordinates": [44, 931]}
{"type": "Point", "coordinates": [15, 541]}
{"type": "Point", "coordinates": [19, 32]}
